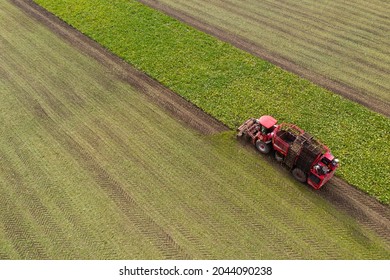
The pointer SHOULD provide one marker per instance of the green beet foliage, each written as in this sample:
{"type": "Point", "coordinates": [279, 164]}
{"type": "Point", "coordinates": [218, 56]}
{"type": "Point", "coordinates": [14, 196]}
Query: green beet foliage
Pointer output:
{"type": "Point", "coordinates": [233, 85]}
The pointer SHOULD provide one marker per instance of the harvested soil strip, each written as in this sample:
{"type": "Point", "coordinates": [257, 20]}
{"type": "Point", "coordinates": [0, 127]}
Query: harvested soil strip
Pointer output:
{"type": "Point", "coordinates": [353, 94]}
{"type": "Point", "coordinates": [173, 103]}
{"type": "Point", "coordinates": [366, 210]}
{"type": "Point", "coordinates": [124, 201]}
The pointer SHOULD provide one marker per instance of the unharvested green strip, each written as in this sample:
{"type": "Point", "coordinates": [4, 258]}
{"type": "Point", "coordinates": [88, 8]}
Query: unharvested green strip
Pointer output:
{"type": "Point", "coordinates": [232, 85]}
{"type": "Point", "coordinates": [89, 169]}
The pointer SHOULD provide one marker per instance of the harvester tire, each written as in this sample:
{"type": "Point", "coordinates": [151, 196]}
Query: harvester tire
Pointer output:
{"type": "Point", "coordinates": [299, 175]}
{"type": "Point", "coordinates": [279, 157]}
{"type": "Point", "coordinates": [263, 147]}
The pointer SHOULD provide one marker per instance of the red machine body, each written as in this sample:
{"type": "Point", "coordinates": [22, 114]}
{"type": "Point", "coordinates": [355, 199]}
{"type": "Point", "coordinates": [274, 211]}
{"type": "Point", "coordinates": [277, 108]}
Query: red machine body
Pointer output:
{"type": "Point", "coordinates": [310, 161]}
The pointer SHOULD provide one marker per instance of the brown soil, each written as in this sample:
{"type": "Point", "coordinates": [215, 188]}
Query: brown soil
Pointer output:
{"type": "Point", "coordinates": [347, 91]}
{"type": "Point", "coordinates": [366, 210]}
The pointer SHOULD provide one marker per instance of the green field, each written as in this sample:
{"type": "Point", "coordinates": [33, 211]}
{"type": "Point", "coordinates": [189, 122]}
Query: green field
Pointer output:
{"type": "Point", "coordinates": [347, 41]}
{"type": "Point", "coordinates": [90, 169]}
{"type": "Point", "coordinates": [232, 85]}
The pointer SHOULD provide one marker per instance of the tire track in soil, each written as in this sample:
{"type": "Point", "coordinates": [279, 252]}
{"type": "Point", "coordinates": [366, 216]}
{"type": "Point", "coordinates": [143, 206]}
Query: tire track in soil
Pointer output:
{"type": "Point", "coordinates": [93, 137]}
{"type": "Point", "coordinates": [154, 233]}
{"type": "Point", "coordinates": [146, 225]}
{"type": "Point", "coordinates": [173, 103]}
{"type": "Point", "coordinates": [366, 210]}
{"type": "Point", "coordinates": [33, 202]}
{"type": "Point", "coordinates": [369, 212]}
{"type": "Point", "coordinates": [245, 44]}
{"type": "Point", "coordinates": [128, 206]}
{"type": "Point", "coordinates": [203, 251]}
{"type": "Point", "coordinates": [285, 225]}
{"type": "Point", "coordinates": [109, 133]}
{"type": "Point", "coordinates": [17, 231]}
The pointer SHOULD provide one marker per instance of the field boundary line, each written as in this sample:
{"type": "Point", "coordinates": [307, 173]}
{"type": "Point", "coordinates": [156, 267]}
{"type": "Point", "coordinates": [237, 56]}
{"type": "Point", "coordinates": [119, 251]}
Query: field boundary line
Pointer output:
{"type": "Point", "coordinates": [173, 103]}
{"type": "Point", "coordinates": [253, 48]}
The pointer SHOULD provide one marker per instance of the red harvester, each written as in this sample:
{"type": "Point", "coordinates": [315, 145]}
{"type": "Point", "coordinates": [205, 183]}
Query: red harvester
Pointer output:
{"type": "Point", "coordinates": [309, 160]}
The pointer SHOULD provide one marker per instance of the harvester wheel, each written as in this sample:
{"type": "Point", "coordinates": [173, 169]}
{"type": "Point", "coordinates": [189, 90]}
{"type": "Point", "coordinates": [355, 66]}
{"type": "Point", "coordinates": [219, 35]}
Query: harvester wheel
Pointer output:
{"type": "Point", "coordinates": [299, 175]}
{"type": "Point", "coordinates": [279, 157]}
{"type": "Point", "coordinates": [263, 147]}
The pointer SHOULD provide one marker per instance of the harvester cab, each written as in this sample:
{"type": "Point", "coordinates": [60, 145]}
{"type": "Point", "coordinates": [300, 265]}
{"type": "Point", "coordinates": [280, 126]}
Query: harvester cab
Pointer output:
{"type": "Point", "coordinates": [267, 124]}
{"type": "Point", "coordinates": [259, 132]}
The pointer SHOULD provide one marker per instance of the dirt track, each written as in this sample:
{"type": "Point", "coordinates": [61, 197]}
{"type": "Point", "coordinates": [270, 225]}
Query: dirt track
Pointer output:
{"type": "Point", "coordinates": [366, 210]}
{"type": "Point", "coordinates": [243, 43]}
